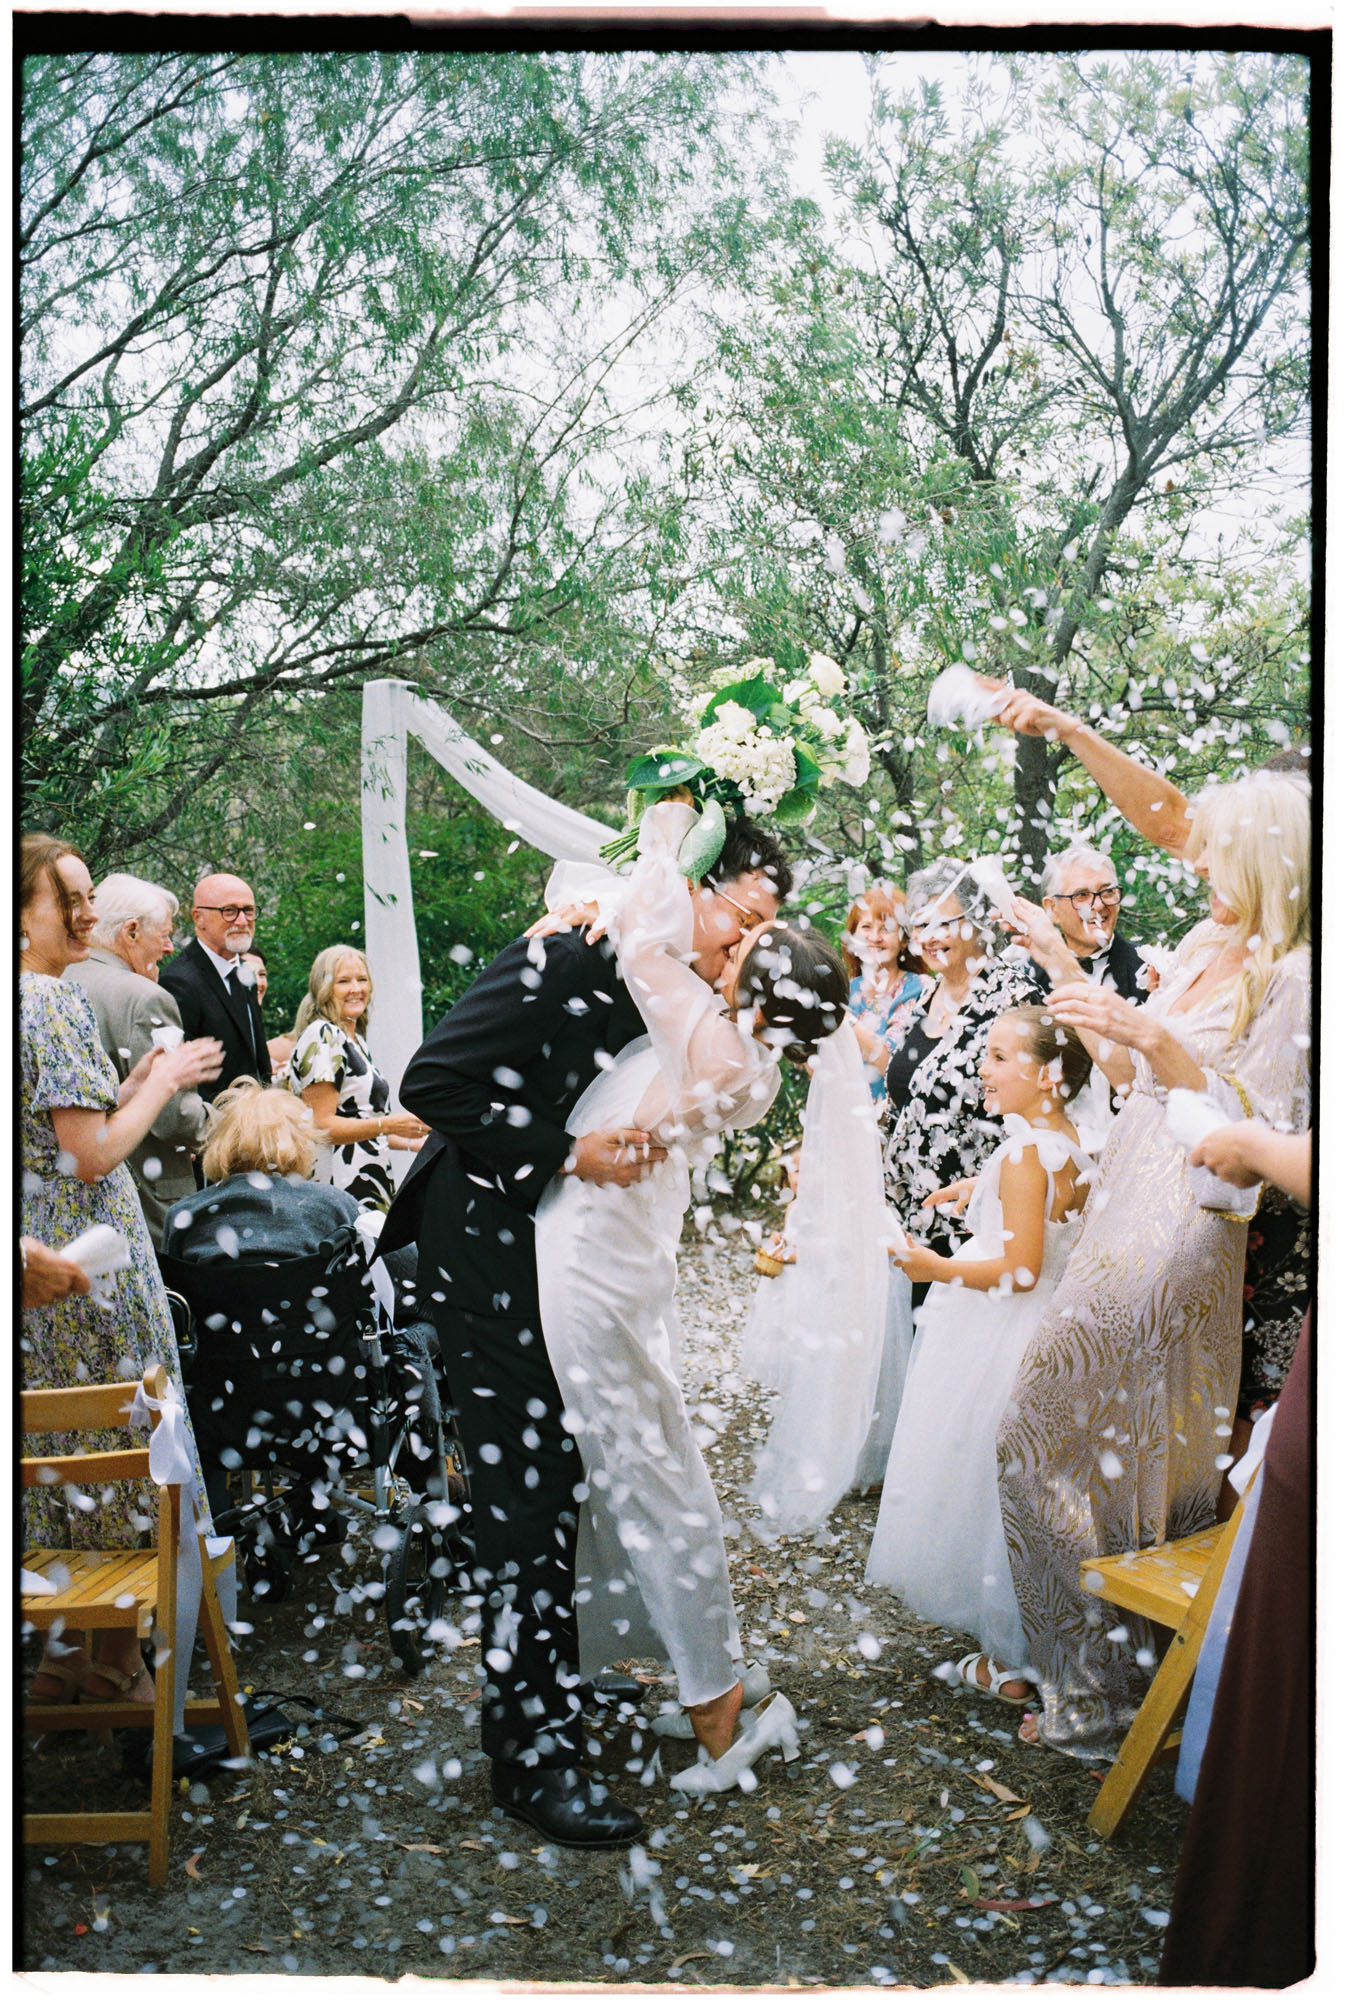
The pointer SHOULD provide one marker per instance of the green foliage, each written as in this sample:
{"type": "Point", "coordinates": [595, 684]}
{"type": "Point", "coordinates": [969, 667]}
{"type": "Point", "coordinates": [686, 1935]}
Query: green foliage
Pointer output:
{"type": "Point", "coordinates": [318, 356]}
{"type": "Point", "coordinates": [326, 371]}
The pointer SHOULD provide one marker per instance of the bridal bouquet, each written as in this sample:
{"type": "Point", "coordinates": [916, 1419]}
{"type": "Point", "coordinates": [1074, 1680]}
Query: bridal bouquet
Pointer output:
{"type": "Point", "coordinates": [755, 748]}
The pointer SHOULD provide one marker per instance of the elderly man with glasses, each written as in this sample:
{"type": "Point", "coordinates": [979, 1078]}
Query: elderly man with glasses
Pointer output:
{"type": "Point", "coordinates": [1081, 895]}
{"type": "Point", "coordinates": [216, 993]}
{"type": "Point", "coordinates": [121, 977]}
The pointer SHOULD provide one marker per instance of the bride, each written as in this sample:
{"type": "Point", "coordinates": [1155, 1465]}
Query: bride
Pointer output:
{"type": "Point", "coordinates": [651, 1571]}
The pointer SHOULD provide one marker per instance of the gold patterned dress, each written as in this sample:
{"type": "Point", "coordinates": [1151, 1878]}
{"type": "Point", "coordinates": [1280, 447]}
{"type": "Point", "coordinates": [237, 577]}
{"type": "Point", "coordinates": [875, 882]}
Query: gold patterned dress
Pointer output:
{"type": "Point", "coordinates": [1119, 1422]}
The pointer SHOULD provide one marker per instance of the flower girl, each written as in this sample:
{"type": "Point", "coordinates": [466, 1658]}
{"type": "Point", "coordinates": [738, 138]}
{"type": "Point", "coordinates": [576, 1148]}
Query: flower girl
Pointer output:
{"type": "Point", "coordinates": [938, 1540]}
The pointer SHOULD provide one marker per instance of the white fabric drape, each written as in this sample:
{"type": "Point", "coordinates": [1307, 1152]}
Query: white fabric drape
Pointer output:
{"type": "Point", "coordinates": [391, 711]}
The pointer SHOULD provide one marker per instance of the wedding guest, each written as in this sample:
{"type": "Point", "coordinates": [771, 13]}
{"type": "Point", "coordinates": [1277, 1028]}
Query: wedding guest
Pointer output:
{"type": "Point", "coordinates": [77, 1124]}
{"type": "Point", "coordinates": [1243, 1901]}
{"type": "Point", "coordinates": [1277, 1262]}
{"type": "Point", "coordinates": [938, 1134]}
{"type": "Point", "coordinates": [279, 1047]}
{"type": "Point", "coordinates": [206, 979]}
{"type": "Point", "coordinates": [332, 1069]}
{"type": "Point", "coordinates": [1082, 896]}
{"type": "Point", "coordinates": [939, 1541]}
{"type": "Point", "coordinates": [121, 977]}
{"type": "Point", "coordinates": [1119, 1418]}
{"type": "Point", "coordinates": [260, 1204]}
{"type": "Point", "coordinates": [260, 1153]}
{"type": "Point", "coordinates": [886, 986]}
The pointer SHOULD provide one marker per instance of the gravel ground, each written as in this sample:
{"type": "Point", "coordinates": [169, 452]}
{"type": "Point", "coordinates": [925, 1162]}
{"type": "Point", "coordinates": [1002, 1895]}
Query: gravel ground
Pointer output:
{"type": "Point", "coordinates": [915, 1842]}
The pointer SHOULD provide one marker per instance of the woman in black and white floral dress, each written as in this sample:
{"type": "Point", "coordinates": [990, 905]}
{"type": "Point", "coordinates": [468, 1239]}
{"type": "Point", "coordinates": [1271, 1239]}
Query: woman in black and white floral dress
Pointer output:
{"type": "Point", "coordinates": [332, 1069]}
{"type": "Point", "coordinates": [938, 1134]}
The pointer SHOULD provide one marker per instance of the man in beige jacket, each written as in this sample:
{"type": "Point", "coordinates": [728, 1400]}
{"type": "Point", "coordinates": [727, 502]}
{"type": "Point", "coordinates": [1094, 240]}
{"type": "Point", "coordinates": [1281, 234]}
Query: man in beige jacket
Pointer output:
{"type": "Point", "coordinates": [120, 976]}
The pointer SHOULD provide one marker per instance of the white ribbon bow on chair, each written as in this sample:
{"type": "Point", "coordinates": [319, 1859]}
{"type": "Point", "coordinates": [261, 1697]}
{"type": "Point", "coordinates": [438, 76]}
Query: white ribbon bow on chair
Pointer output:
{"type": "Point", "coordinates": [173, 1462]}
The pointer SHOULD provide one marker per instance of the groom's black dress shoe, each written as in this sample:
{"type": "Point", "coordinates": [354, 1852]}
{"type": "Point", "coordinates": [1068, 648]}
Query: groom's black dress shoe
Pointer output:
{"type": "Point", "coordinates": [611, 1690]}
{"type": "Point", "coordinates": [564, 1806]}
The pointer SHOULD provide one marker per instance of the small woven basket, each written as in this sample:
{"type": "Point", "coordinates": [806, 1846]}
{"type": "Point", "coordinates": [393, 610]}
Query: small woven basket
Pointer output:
{"type": "Point", "coordinates": [767, 1264]}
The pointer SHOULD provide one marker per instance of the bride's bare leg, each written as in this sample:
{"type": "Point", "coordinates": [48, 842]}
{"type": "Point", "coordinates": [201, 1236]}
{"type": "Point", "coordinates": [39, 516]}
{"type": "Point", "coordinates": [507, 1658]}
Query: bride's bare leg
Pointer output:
{"type": "Point", "coordinates": [714, 1722]}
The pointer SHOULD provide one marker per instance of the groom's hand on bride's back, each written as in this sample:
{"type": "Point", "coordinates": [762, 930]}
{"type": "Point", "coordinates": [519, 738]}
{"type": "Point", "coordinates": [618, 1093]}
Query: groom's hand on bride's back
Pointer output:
{"type": "Point", "coordinates": [615, 1159]}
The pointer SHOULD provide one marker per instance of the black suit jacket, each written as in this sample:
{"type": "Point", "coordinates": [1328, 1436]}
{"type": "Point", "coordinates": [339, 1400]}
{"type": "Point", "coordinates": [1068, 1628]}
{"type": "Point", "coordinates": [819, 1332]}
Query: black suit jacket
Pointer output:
{"type": "Point", "coordinates": [207, 1009]}
{"type": "Point", "coordinates": [1126, 967]}
{"type": "Point", "coordinates": [496, 1082]}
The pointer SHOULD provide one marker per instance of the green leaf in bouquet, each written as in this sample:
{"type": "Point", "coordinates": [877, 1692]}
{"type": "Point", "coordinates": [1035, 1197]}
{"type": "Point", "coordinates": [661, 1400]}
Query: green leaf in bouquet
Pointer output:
{"type": "Point", "coordinates": [797, 805]}
{"type": "Point", "coordinates": [660, 770]}
{"type": "Point", "coordinates": [784, 719]}
{"type": "Point", "coordinates": [808, 769]}
{"type": "Point", "coordinates": [757, 695]}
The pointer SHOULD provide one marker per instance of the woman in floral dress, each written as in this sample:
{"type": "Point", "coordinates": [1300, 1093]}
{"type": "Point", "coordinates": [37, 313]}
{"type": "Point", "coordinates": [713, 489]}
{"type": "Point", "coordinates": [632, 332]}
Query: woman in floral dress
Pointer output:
{"type": "Point", "coordinates": [940, 1134]}
{"type": "Point", "coordinates": [332, 1069]}
{"type": "Point", "coordinates": [77, 1125]}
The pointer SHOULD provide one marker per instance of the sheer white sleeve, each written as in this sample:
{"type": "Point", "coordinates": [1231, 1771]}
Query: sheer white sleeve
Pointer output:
{"type": "Point", "coordinates": [712, 1073]}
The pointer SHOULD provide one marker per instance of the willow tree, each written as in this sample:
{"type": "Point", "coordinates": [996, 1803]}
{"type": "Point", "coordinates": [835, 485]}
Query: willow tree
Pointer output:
{"type": "Point", "coordinates": [987, 412]}
{"type": "Point", "coordinates": [315, 352]}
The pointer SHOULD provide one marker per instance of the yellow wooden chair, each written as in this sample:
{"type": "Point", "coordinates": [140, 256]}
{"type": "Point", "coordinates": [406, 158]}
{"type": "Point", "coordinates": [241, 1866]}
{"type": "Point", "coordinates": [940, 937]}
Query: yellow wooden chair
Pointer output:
{"type": "Point", "coordinates": [98, 1589]}
{"type": "Point", "coordinates": [1175, 1586]}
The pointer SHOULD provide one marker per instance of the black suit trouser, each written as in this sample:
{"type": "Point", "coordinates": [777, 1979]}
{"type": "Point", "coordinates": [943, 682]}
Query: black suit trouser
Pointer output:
{"type": "Point", "coordinates": [523, 1469]}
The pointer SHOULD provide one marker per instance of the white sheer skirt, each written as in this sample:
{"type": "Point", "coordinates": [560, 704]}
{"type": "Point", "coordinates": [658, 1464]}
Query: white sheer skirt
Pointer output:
{"type": "Point", "coordinates": [651, 1574]}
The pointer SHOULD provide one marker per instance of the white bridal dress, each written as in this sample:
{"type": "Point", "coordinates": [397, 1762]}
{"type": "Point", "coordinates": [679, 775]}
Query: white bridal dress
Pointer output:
{"type": "Point", "coordinates": [651, 1574]}
{"type": "Point", "coordinates": [938, 1540]}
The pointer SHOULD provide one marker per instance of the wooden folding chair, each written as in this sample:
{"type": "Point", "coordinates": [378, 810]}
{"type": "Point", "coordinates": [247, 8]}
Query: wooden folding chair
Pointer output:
{"type": "Point", "coordinates": [1175, 1586]}
{"type": "Point", "coordinates": [98, 1589]}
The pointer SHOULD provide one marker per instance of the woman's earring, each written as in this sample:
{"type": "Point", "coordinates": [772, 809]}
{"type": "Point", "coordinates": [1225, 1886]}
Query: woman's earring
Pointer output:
{"type": "Point", "coordinates": [23, 940]}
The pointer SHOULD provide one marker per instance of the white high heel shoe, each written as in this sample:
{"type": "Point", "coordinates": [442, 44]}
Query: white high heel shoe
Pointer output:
{"type": "Point", "coordinates": [678, 1723]}
{"type": "Point", "coordinates": [770, 1726]}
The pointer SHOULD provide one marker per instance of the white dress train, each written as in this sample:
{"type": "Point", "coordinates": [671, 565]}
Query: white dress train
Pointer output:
{"type": "Point", "coordinates": [843, 1328]}
{"type": "Point", "coordinates": [938, 1540]}
{"type": "Point", "coordinates": [651, 1573]}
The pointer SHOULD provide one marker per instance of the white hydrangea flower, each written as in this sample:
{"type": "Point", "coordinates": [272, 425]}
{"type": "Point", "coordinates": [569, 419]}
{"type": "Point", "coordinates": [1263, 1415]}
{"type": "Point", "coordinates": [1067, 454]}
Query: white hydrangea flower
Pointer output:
{"type": "Point", "coordinates": [761, 764]}
{"type": "Point", "coordinates": [827, 722]}
{"type": "Point", "coordinates": [826, 675]}
{"type": "Point", "coordinates": [732, 722]}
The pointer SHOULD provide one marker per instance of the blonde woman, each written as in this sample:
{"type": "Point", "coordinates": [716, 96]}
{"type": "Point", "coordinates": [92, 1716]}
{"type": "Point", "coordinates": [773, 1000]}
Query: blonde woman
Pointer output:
{"type": "Point", "coordinates": [332, 1069]}
{"type": "Point", "coordinates": [1119, 1423]}
{"type": "Point", "coordinates": [261, 1147]}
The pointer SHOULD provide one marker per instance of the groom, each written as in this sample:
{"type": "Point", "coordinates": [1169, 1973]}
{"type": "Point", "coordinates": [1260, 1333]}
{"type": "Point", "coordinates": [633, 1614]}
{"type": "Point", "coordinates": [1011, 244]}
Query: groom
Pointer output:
{"type": "Point", "coordinates": [496, 1082]}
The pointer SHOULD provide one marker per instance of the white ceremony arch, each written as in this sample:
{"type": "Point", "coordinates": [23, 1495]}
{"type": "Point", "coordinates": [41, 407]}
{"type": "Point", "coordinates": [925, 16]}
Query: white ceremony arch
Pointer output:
{"type": "Point", "coordinates": [391, 712]}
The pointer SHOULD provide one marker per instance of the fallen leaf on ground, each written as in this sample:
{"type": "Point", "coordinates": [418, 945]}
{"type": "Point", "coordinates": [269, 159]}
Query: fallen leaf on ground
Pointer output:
{"type": "Point", "coordinates": [190, 1867]}
{"type": "Point", "coordinates": [1021, 1903]}
{"type": "Point", "coordinates": [423, 1847]}
{"type": "Point", "coordinates": [686, 1958]}
{"type": "Point", "coordinates": [1002, 1792]}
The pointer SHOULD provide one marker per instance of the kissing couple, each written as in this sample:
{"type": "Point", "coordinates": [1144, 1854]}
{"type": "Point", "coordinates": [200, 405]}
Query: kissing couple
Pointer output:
{"type": "Point", "coordinates": [568, 1094]}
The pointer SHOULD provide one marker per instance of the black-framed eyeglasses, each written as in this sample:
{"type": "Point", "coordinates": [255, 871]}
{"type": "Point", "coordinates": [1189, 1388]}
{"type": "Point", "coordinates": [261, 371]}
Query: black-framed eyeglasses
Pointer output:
{"type": "Point", "coordinates": [229, 911]}
{"type": "Point", "coordinates": [1108, 899]}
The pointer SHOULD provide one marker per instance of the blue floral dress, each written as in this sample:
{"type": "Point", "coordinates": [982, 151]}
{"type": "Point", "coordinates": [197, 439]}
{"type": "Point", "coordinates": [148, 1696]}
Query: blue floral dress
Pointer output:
{"type": "Point", "coordinates": [887, 1015]}
{"type": "Point", "coordinates": [74, 1340]}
